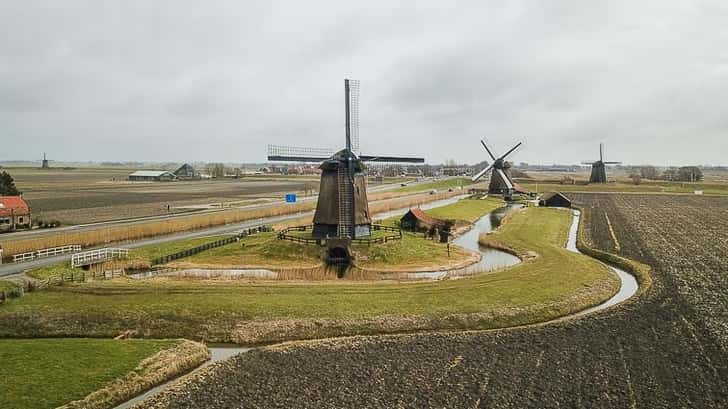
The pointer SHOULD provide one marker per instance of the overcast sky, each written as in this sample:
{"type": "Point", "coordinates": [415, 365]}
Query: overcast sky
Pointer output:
{"type": "Point", "coordinates": [217, 81]}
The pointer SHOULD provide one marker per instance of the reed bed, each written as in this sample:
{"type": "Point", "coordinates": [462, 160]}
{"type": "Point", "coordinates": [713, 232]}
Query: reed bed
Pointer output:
{"type": "Point", "coordinates": [107, 235]}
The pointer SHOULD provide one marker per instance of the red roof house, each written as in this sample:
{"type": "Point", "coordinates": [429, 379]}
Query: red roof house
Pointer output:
{"type": "Point", "coordinates": [14, 213]}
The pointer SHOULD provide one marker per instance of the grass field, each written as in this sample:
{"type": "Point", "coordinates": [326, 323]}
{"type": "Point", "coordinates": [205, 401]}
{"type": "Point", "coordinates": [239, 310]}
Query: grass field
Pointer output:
{"type": "Point", "coordinates": [556, 283]}
{"type": "Point", "coordinates": [258, 250]}
{"type": "Point", "coordinates": [437, 185]}
{"type": "Point", "coordinates": [665, 187]}
{"type": "Point", "coordinates": [87, 195]}
{"type": "Point", "coordinates": [148, 253]}
{"type": "Point", "coordinates": [468, 210]}
{"type": "Point", "coordinates": [46, 373]}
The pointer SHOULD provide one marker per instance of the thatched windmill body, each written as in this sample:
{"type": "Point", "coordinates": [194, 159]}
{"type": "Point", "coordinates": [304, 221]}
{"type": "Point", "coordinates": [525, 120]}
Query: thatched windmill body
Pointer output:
{"type": "Point", "coordinates": [599, 168]}
{"type": "Point", "coordinates": [500, 180]}
{"type": "Point", "coordinates": [343, 209]}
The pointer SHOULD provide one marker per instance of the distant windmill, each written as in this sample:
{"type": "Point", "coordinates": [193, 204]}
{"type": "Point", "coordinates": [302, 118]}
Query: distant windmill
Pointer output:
{"type": "Point", "coordinates": [343, 209]}
{"type": "Point", "coordinates": [500, 180]}
{"type": "Point", "coordinates": [599, 169]}
{"type": "Point", "coordinates": [45, 163]}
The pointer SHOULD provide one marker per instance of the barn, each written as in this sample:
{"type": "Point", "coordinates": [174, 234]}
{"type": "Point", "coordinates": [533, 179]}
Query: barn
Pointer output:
{"type": "Point", "coordinates": [554, 199]}
{"type": "Point", "coordinates": [152, 176]}
{"type": "Point", "coordinates": [187, 172]}
{"type": "Point", "coordinates": [14, 213]}
{"type": "Point", "coordinates": [415, 219]}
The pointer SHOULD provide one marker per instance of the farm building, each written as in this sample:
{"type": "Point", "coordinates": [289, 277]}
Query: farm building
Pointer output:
{"type": "Point", "coordinates": [14, 213]}
{"type": "Point", "coordinates": [152, 175]}
{"type": "Point", "coordinates": [554, 199]}
{"type": "Point", "coordinates": [187, 172]}
{"type": "Point", "coordinates": [415, 219]}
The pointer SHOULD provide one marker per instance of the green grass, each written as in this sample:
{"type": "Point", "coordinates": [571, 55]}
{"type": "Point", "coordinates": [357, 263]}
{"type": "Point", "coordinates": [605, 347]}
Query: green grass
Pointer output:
{"type": "Point", "coordinates": [666, 187]}
{"type": "Point", "coordinates": [46, 373]}
{"type": "Point", "coordinates": [158, 250]}
{"type": "Point", "coordinates": [438, 185]}
{"type": "Point", "coordinates": [7, 285]}
{"type": "Point", "coordinates": [556, 283]}
{"type": "Point", "coordinates": [413, 251]}
{"type": "Point", "coordinates": [42, 273]}
{"type": "Point", "coordinates": [261, 249]}
{"type": "Point", "coordinates": [469, 210]}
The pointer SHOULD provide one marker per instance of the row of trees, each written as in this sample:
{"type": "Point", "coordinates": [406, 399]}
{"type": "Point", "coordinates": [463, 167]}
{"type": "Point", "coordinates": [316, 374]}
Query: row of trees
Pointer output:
{"type": "Point", "coordinates": [682, 174]}
{"type": "Point", "coordinates": [7, 185]}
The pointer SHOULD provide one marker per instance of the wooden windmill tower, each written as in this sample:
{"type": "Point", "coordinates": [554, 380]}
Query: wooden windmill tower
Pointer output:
{"type": "Point", "coordinates": [343, 209]}
{"type": "Point", "coordinates": [599, 168]}
{"type": "Point", "coordinates": [500, 180]}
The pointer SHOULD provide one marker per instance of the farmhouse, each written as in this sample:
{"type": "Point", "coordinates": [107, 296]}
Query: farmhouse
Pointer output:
{"type": "Point", "coordinates": [14, 213]}
{"type": "Point", "coordinates": [554, 199]}
{"type": "Point", "coordinates": [152, 175]}
{"type": "Point", "coordinates": [415, 219]}
{"type": "Point", "coordinates": [187, 172]}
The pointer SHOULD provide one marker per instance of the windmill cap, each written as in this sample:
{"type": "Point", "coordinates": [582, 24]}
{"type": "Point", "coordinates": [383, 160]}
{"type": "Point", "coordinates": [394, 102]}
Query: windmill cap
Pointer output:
{"type": "Point", "coordinates": [339, 157]}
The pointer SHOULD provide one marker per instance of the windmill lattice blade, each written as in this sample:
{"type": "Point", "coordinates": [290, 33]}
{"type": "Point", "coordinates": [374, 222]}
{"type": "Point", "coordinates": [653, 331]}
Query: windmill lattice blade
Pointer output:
{"type": "Point", "coordinates": [352, 104]}
{"type": "Point", "coordinates": [612, 163]}
{"type": "Point", "coordinates": [391, 159]}
{"type": "Point", "coordinates": [482, 142]}
{"type": "Point", "coordinates": [512, 150]}
{"type": "Point", "coordinates": [588, 162]}
{"type": "Point", "coordinates": [280, 153]}
{"type": "Point", "coordinates": [481, 173]}
{"type": "Point", "coordinates": [601, 152]}
{"type": "Point", "coordinates": [505, 178]}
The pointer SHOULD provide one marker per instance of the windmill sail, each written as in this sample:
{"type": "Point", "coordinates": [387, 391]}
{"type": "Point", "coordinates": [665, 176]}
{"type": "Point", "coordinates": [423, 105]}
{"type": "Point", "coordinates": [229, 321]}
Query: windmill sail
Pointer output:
{"type": "Point", "coordinates": [342, 210]}
{"type": "Point", "coordinates": [500, 181]}
{"type": "Point", "coordinates": [598, 167]}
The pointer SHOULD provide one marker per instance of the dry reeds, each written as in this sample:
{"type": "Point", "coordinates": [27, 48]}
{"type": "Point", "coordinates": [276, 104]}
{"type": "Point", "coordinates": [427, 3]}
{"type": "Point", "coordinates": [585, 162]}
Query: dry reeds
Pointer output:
{"type": "Point", "coordinates": [136, 231]}
{"type": "Point", "coordinates": [160, 367]}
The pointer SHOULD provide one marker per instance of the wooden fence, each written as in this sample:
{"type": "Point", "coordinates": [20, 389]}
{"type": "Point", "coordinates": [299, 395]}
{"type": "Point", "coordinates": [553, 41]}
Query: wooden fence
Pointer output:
{"type": "Point", "coordinates": [50, 252]}
{"type": "Point", "coordinates": [97, 256]}
{"type": "Point", "coordinates": [397, 235]}
{"type": "Point", "coordinates": [64, 277]}
{"type": "Point", "coordinates": [218, 243]}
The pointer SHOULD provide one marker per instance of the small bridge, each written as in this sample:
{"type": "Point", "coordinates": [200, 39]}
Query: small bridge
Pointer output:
{"type": "Point", "coordinates": [98, 256]}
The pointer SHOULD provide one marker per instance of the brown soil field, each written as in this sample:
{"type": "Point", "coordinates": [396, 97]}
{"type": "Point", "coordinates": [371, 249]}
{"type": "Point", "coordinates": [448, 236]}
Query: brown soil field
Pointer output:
{"type": "Point", "coordinates": [88, 195]}
{"type": "Point", "coordinates": [665, 349]}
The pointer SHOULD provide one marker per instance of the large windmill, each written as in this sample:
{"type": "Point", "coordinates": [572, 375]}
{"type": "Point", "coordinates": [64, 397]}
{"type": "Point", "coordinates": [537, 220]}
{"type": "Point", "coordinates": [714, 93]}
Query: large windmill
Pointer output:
{"type": "Point", "coordinates": [500, 180]}
{"type": "Point", "coordinates": [599, 168]}
{"type": "Point", "coordinates": [343, 209]}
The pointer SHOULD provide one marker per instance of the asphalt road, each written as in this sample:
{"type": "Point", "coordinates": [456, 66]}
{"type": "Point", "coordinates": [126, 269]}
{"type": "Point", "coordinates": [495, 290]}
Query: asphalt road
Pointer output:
{"type": "Point", "coordinates": [16, 268]}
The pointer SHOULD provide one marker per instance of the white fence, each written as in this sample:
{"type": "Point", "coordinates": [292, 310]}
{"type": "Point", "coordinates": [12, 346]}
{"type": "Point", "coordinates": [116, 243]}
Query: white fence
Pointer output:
{"type": "Point", "coordinates": [97, 256]}
{"type": "Point", "coordinates": [54, 251]}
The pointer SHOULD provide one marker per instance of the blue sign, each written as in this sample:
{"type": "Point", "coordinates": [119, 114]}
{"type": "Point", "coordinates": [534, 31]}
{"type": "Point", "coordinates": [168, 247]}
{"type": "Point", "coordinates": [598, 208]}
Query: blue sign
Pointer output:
{"type": "Point", "coordinates": [290, 198]}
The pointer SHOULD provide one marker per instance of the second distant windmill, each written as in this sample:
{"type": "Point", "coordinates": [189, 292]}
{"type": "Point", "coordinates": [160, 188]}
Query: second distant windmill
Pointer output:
{"type": "Point", "coordinates": [500, 179]}
{"type": "Point", "coordinates": [599, 168]}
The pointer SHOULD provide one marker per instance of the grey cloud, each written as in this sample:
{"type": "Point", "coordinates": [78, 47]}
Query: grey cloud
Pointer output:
{"type": "Point", "coordinates": [120, 81]}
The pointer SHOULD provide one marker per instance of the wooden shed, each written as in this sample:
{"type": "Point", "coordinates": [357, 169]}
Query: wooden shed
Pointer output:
{"type": "Point", "coordinates": [415, 219]}
{"type": "Point", "coordinates": [187, 172]}
{"type": "Point", "coordinates": [152, 176]}
{"type": "Point", "coordinates": [555, 199]}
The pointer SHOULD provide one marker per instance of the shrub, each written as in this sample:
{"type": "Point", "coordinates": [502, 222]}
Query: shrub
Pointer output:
{"type": "Point", "coordinates": [16, 292]}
